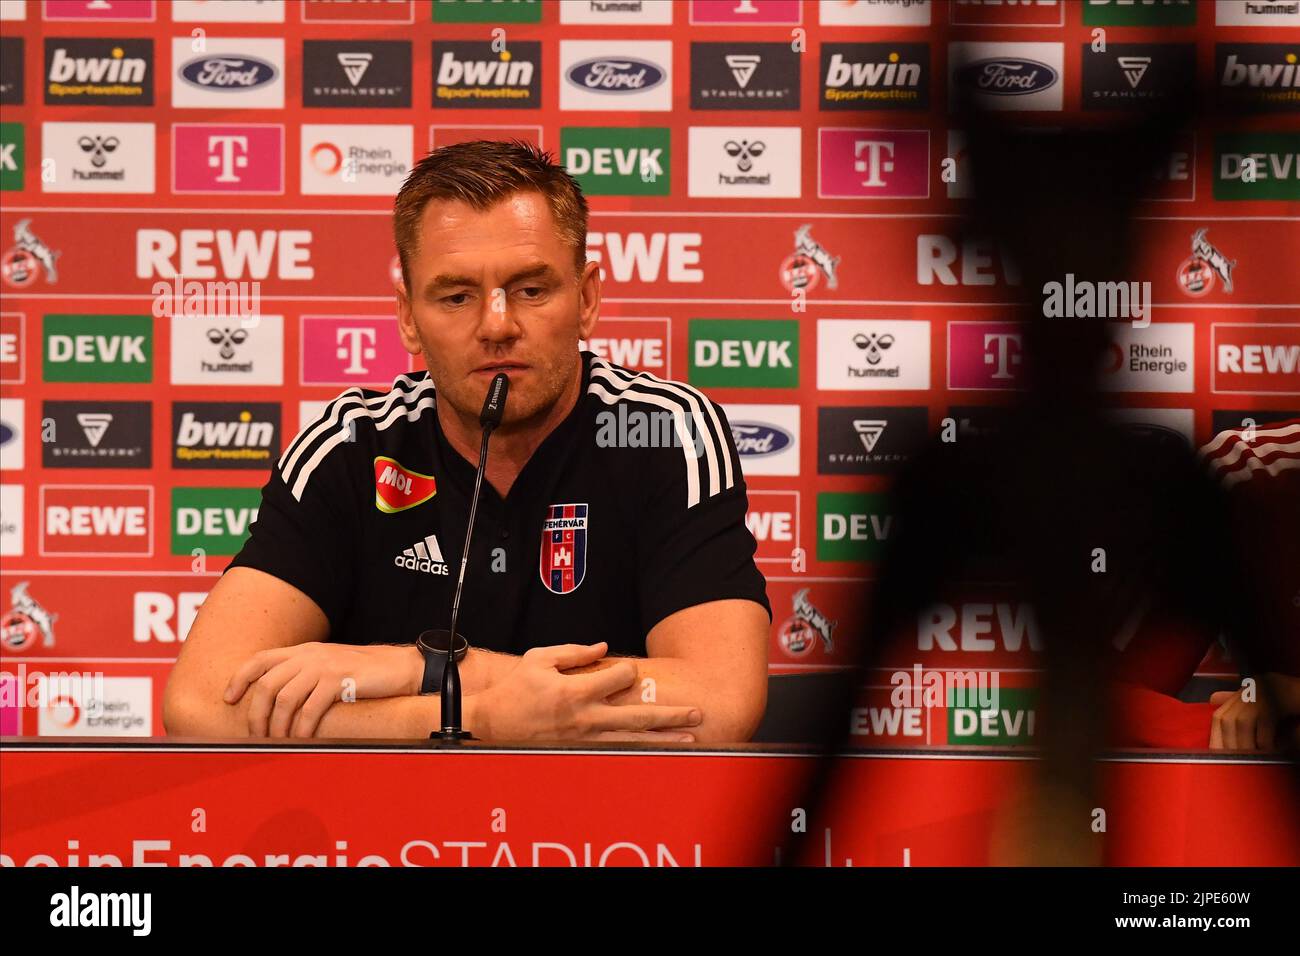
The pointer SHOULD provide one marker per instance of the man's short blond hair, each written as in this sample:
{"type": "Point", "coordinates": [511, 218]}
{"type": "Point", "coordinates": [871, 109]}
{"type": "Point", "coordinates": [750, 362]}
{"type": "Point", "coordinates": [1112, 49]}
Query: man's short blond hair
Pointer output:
{"type": "Point", "coordinates": [480, 174]}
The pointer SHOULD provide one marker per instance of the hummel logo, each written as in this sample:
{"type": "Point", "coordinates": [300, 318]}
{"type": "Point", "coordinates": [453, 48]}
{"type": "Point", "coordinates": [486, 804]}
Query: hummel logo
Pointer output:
{"type": "Point", "coordinates": [423, 556]}
{"type": "Point", "coordinates": [94, 424]}
{"type": "Point", "coordinates": [355, 65]}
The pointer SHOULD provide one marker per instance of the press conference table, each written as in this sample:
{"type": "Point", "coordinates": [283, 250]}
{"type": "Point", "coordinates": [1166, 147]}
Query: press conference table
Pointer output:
{"type": "Point", "coordinates": [180, 801]}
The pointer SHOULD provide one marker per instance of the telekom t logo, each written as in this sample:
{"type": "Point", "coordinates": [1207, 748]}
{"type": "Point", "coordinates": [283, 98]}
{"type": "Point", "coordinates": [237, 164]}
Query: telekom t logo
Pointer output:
{"type": "Point", "coordinates": [873, 165]}
{"type": "Point", "coordinates": [222, 156]}
{"type": "Point", "coordinates": [1004, 354]}
{"type": "Point", "coordinates": [355, 345]}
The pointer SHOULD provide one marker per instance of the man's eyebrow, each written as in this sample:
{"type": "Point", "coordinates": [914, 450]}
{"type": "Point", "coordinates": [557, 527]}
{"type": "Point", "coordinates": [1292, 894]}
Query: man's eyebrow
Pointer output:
{"type": "Point", "coordinates": [446, 280]}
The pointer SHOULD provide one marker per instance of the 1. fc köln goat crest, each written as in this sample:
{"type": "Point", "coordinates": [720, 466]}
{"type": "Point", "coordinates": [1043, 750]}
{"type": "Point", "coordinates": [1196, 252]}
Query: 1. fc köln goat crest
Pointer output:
{"type": "Point", "coordinates": [564, 547]}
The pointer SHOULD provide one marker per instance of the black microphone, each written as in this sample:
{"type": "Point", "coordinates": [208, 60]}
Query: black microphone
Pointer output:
{"type": "Point", "coordinates": [493, 409]}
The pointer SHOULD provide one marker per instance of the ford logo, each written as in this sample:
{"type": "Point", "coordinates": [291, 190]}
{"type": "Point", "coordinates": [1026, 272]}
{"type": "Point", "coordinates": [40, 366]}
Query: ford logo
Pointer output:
{"type": "Point", "coordinates": [1006, 76]}
{"type": "Point", "coordinates": [6, 434]}
{"type": "Point", "coordinates": [607, 74]}
{"type": "Point", "coordinates": [228, 72]}
{"type": "Point", "coordinates": [756, 440]}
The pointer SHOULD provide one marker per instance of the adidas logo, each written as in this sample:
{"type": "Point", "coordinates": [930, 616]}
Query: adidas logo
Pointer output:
{"type": "Point", "coordinates": [423, 556]}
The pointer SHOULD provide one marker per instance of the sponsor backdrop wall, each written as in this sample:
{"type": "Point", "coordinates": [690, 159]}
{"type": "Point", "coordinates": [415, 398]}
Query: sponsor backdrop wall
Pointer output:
{"type": "Point", "coordinates": [772, 216]}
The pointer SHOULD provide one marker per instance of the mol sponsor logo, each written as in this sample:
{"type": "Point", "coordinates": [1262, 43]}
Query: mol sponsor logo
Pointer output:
{"type": "Point", "coordinates": [873, 163]}
{"type": "Point", "coordinates": [214, 520]}
{"type": "Point", "coordinates": [398, 488]}
{"type": "Point", "coordinates": [1256, 359]}
{"type": "Point", "coordinates": [96, 520]}
{"type": "Point", "coordinates": [225, 434]}
{"type": "Point", "coordinates": [99, 72]}
{"type": "Point", "coordinates": [351, 350]}
{"type": "Point", "coordinates": [609, 161]}
{"type": "Point", "coordinates": [1257, 166]}
{"type": "Point", "coordinates": [98, 348]}
{"type": "Point", "coordinates": [212, 158]}
{"type": "Point", "coordinates": [744, 353]}
{"type": "Point", "coordinates": [650, 257]}
{"type": "Point", "coordinates": [773, 520]}
{"type": "Point", "coordinates": [852, 527]}
{"type": "Point", "coordinates": [163, 617]}
{"type": "Point", "coordinates": [638, 344]}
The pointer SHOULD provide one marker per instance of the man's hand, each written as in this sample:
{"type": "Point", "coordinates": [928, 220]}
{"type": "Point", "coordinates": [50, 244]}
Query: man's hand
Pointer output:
{"type": "Point", "coordinates": [293, 687]}
{"type": "Point", "coordinates": [536, 700]}
{"type": "Point", "coordinates": [1248, 725]}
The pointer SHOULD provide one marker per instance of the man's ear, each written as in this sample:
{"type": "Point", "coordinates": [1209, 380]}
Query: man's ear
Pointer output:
{"type": "Point", "coordinates": [588, 300]}
{"type": "Point", "coordinates": [406, 321]}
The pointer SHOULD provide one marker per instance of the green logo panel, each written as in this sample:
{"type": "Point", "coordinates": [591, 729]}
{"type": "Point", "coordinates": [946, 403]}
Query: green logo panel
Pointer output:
{"type": "Point", "coordinates": [214, 519]}
{"type": "Point", "coordinates": [852, 527]}
{"type": "Point", "coordinates": [1143, 13]}
{"type": "Point", "coordinates": [1011, 721]}
{"type": "Point", "coordinates": [609, 161]}
{"type": "Point", "coordinates": [12, 153]}
{"type": "Point", "coordinates": [744, 353]}
{"type": "Point", "coordinates": [98, 348]}
{"type": "Point", "coordinates": [487, 11]}
{"type": "Point", "coordinates": [1257, 166]}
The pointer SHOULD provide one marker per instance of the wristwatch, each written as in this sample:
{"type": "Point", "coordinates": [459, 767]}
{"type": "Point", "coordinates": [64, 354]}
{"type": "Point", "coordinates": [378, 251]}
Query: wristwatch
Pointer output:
{"type": "Point", "coordinates": [433, 645]}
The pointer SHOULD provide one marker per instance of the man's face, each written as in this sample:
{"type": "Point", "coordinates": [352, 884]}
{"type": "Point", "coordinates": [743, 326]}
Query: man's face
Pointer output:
{"type": "Point", "coordinates": [495, 291]}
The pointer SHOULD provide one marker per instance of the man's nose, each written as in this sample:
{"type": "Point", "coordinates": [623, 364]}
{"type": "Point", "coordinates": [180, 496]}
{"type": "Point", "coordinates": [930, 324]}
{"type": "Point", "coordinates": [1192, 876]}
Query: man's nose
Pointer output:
{"type": "Point", "coordinates": [497, 322]}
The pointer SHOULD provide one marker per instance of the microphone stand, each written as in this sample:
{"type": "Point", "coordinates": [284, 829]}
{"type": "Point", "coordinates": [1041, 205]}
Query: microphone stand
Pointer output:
{"type": "Point", "coordinates": [451, 731]}
{"type": "Point", "coordinates": [451, 690]}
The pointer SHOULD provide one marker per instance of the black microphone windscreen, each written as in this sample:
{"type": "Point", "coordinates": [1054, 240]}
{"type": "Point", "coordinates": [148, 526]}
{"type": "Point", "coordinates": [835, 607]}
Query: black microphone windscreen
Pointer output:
{"type": "Point", "coordinates": [494, 407]}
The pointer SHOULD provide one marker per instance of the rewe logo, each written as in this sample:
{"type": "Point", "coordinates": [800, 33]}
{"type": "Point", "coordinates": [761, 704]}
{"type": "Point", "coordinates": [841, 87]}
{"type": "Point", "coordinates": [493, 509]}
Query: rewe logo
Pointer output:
{"type": "Point", "coordinates": [646, 257]}
{"type": "Point", "coordinates": [773, 520]}
{"type": "Point", "coordinates": [398, 488]}
{"type": "Point", "coordinates": [241, 254]}
{"type": "Point", "coordinates": [423, 556]}
{"type": "Point", "coordinates": [637, 344]}
{"type": "Point", "coordinates": [1256, 359]}
{"type": "Point", "coordinates": [12, 337]}
{"type": "Point", "coordinates": [157, 616]}
{"type": "Point", "coordinates": [95, 520]}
